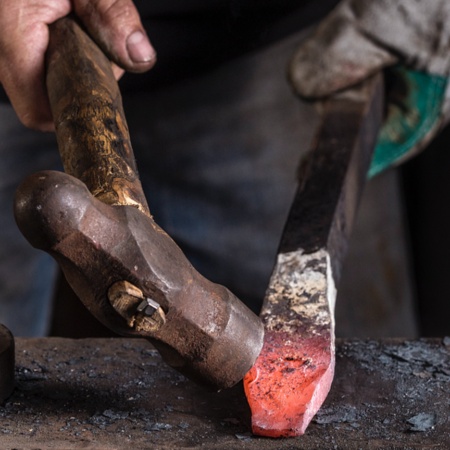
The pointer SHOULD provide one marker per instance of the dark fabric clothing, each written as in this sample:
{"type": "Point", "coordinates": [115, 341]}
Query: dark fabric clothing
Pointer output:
{"type": "Point", "coordinates": [234, 8]}
{"type": "Point", "coordinates": [193, 36]}
{"type": "Point", "coordinates": [215, 131]}
{"type": "Point", "coordinates": [217, 134]}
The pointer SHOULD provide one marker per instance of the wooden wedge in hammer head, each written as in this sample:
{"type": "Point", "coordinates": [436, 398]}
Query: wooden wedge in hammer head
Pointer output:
{"type": "Point", "coordinates": [95, 221]}
{"type": "Point", "coordinates": [293, 374]}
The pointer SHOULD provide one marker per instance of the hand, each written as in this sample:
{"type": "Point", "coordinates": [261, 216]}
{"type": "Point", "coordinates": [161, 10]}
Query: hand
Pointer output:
{"type": "Point", "coordinates": [114, 24]}
{"type": "Point", "coordinates": [361, 37]}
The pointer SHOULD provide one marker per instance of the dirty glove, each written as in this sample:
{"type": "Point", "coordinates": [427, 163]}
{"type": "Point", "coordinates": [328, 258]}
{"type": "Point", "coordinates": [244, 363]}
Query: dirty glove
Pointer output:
{"type": "Point", "coordinates": [359, 38]}
{"type": "Point", "coordinates": [115, 25]}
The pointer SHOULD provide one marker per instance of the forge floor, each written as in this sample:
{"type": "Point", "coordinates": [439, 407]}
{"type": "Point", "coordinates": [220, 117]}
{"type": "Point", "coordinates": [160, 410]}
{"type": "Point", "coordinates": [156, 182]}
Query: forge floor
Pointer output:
{"type": "Point", "coordinates": [118, 394]}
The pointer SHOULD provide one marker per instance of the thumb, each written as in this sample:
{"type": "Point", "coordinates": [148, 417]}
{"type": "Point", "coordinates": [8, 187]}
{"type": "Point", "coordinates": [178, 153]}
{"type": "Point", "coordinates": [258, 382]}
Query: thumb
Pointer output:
{"type": "Point", "coordinates": [116, 27]}
{"type": "Point", "coordinates": [338, 55]}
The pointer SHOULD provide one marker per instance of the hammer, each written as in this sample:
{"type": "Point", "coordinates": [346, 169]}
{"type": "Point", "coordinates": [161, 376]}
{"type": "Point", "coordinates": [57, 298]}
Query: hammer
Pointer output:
{"type": "Point", "coordinates": [95, 221]}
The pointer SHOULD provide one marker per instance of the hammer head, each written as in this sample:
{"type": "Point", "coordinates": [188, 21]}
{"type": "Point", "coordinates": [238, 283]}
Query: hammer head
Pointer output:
{"type": "Point", "coordinates": [132, 276]}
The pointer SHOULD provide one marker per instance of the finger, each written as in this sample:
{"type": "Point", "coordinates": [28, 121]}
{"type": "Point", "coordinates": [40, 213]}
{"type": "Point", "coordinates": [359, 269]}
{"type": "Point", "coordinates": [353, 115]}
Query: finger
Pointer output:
{"type": "Point", "coordinates": [23, 42]}
{"type": "Point", "coordinates": [117, 28]}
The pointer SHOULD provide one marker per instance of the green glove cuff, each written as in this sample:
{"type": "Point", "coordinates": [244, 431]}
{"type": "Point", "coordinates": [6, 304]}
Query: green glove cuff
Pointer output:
{"type": "Point", "coordinates": [410, 118]}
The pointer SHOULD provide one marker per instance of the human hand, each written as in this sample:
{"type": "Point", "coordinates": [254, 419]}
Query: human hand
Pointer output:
{"type": "Point", "coordinates": [114, 25]}
{"type": "Point", "coordinates": [361, 37]}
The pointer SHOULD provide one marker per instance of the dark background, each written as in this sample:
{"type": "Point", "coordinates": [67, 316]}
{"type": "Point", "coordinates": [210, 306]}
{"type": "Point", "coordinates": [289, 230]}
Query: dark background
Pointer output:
{"type": "Point", "coordinates": [426, 186]}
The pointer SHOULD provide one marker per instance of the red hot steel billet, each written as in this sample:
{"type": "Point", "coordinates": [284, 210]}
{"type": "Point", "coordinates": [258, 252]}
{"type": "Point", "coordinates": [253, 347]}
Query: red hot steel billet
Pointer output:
{"type": "Point", "coordinates": [294, 371]}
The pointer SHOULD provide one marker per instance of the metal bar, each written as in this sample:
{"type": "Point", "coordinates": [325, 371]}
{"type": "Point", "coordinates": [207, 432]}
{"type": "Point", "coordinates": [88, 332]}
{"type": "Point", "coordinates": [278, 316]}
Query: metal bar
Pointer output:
{"type": "Point", "coordinates": [294, 371]}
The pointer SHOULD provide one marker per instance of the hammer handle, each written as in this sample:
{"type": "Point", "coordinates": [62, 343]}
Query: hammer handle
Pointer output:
{"type": "Point", "coordinates": [91, 129]}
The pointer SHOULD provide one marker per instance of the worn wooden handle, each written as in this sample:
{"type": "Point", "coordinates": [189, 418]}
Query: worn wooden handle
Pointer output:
{"type": "Point", "coordinates": [91, 128]}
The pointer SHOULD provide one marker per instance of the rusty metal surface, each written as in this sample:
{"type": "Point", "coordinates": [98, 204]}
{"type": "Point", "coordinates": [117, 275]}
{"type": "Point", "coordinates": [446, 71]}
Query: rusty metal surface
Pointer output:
{"type": "Point", "coordinates": [125, 269]}
{"type": "Point", "coordinates": [117, 394]}
{"type": "Point", "coordinates": [6, 363]}
{"type": "Point", "coordinates": [207, 333]}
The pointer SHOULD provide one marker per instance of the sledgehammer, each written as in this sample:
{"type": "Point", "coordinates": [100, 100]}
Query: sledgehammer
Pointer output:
{"type": "Point", "coordinates": [94, 220]}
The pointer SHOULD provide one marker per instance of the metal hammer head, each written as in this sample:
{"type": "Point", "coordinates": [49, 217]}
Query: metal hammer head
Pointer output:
{"type": "Point", "coordinates": [134, 278]}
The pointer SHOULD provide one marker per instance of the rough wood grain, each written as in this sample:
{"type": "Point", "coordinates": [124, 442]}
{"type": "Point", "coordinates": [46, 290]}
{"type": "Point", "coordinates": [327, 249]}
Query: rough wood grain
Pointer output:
{"type": "Point", "coordinates": [118, 394]}
{"type": "Point", "coordinates": [91, 128]}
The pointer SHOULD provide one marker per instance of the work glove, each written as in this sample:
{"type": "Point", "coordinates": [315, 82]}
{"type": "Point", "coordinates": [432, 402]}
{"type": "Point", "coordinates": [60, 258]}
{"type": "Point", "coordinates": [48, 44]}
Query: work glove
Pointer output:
{"type": "Point", "coordinates": [114, 25]}
{"type": "Point", "coordinates": [361, 37]}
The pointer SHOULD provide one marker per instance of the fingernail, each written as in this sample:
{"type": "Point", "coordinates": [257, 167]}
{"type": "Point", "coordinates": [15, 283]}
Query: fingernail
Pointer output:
{"type": "Point", "coordinates": [139, 48]}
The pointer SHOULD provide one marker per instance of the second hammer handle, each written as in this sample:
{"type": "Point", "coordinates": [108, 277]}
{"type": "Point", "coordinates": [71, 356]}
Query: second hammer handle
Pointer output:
{"type": "Point", "coordinates": [91, 128]}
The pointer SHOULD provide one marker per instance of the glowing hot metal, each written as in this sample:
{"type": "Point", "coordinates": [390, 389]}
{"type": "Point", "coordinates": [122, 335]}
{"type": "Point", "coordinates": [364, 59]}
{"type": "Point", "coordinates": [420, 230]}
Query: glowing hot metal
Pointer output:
{"type": "Point", "coordinates": [294, 371]}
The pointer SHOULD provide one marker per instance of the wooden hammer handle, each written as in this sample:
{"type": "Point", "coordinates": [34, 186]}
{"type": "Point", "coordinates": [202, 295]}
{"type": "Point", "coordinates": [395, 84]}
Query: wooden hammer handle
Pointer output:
{"type": "Point", "coordinates": [91, 128]}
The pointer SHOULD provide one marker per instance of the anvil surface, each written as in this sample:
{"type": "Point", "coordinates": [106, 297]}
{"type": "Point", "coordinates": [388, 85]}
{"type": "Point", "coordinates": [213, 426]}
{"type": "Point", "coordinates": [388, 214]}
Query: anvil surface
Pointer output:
{"type": "Point", "coordinates": [118, 394]}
